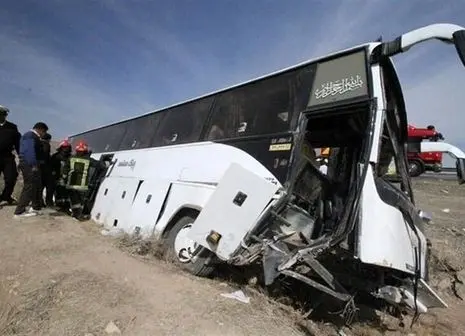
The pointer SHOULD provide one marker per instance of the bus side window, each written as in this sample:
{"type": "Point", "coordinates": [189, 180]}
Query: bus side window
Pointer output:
{"type": "Point", "coordinates": [99, 142]}
{"type": "Point", "coordinates": [139, 132]}
{"type": "Point", "coordinates": [267, 107]}
{"type": "Point", "coordinates": [227, 117]}
{"type": "Point", "coordinates": [182, 124]}
{"type": "Point", "coordinates": [149, 129]}
{"type": "Point", "coordinates": [175, 128]}
{"type": "Point", "coordinates": [114, 135]}
{"type": "Point", "coordinates": [215, 132]}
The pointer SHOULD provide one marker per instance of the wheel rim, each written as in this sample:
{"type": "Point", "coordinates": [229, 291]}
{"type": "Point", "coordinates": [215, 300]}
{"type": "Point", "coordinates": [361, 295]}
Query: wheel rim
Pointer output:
{"type": "Point", "coordinates": [184, 247]}
{"type": "Point", "coordinates": [413, 168]}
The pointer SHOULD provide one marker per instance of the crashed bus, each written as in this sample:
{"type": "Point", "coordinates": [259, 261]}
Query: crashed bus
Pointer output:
{"type": "Point", "coordinates": [232, 177]}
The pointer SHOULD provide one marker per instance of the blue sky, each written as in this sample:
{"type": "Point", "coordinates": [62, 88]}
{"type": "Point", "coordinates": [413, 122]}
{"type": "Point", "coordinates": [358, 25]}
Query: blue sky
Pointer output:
{"type": "Point", "coordinates": [78, 64]}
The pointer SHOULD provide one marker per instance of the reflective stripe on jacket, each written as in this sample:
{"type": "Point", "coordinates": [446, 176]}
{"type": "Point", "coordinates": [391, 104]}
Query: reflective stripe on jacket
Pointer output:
{"type": "Point", "coordinates": [78, 174]}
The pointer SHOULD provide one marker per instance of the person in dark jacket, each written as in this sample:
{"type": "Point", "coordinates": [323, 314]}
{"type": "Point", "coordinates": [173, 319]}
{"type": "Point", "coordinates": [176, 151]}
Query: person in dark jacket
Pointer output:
{"type": "Point", "coordinates": [58, 161]}
{"type": "Point", "coordinates": [30, 156]}
{"type": "Point", "coordinates": [9, 141]}
{"type": "Point", "coordinates": [46, 173]}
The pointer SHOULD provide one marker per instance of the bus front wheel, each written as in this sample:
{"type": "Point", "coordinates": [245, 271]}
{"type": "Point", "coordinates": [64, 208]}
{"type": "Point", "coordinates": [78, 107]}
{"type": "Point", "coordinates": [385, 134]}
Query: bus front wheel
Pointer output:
{"type": "Point", "coordinates": [186, 253]}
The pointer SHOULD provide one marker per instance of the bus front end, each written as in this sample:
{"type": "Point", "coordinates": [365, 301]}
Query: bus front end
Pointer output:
{"type": "Point", "coordinates": [353, 226]}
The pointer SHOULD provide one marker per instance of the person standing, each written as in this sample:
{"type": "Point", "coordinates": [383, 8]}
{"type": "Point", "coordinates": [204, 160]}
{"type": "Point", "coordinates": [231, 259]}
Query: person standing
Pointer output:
{"type": "Point", "coordinates": [79, 170]}
{"type": "Point", "coordinates": [9, 141]}
{"type": "Point", "coordinates": [30, 155]}
{"type": "Point", "coordinates": [46, 173]}
{"type": "Point", "coordinates": [58, 162]}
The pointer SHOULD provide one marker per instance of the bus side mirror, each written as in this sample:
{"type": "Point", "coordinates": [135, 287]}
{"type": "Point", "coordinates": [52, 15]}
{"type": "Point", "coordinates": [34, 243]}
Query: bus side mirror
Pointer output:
{"type": "Point", "coordinates": [459, 42]}
{"type": "Point", "coordinates": [460, 166]}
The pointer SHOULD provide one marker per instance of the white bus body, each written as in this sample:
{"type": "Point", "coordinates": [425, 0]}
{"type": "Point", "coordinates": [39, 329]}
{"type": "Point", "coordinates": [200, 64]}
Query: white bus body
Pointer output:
{"type": "Point", "coordinates": [192, 170]}
{"type": "Point", "coordinates": [237, 199]}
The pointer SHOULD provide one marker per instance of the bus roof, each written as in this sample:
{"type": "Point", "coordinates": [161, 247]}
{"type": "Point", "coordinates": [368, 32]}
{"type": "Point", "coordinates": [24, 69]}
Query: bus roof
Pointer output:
{"type": "Point", "coordinates": [369, 45]}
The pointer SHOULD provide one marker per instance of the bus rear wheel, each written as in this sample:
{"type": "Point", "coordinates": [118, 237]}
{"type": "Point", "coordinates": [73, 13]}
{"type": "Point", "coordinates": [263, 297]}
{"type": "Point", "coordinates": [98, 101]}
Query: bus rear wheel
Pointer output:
{"type": "Point", "coordinates": [186, 253]}
{"type": "Point", "coordinates": [416, 168]}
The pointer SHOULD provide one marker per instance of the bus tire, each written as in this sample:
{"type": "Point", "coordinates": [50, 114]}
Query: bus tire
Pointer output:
{"type": "Point", "coordinates": [176, 242]}
{"type": "Point", "coordinates": [416, 168]}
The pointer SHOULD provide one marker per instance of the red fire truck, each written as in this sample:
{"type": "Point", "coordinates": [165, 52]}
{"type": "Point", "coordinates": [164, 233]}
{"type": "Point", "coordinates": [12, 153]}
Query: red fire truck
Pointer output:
{"type": "Point", "coordinates": [419, 162]}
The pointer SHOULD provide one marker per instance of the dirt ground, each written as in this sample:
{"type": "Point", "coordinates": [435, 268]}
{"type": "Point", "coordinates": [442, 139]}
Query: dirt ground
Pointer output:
{"type": "Point", "coordinates": [61, 277]}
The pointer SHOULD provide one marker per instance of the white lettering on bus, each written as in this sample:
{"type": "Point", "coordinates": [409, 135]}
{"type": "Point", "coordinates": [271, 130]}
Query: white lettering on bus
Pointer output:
{"type": "Point", "coordinates": [339, 87]}
{"type": "Point", "coordinates": [131, 164]}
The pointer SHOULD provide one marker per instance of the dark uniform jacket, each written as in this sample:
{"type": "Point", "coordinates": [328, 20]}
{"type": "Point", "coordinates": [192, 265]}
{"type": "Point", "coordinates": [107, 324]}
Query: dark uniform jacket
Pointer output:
{"type": "Point", "coordinates": [57, 161]}
{"type": "Point", "coordinates": [46, 152]}
{"type": "Point", "coordinates": [9, 139]}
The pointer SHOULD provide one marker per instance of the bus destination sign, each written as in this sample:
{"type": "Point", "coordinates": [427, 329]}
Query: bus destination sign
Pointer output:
{"type": "Point", "coordinates": [340, 79]}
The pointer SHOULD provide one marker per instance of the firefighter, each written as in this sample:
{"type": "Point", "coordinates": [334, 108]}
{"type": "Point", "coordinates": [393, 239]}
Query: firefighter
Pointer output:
{"type": "Point", "coordinates": [58, 161]}
{"type": "Point", "coordinates": [79, 170]}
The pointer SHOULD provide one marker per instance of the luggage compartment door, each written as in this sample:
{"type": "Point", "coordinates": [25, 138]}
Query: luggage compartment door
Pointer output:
{"type": "Point", "coordinates": [146, 207]}
{"type": "Point", "coordinates": [232, 210]}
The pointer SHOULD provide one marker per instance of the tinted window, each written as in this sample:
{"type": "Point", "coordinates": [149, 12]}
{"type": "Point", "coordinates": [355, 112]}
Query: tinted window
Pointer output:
{"type": "Point", "coordinates": [97, 140]}
{"type": "Point", "coordinates": [115, 134]}
{"type": "Point", "coordinates": [148, 130]}
{"type": "Point", "coordinates": [108, 139]}
{"type": "Point", "coordinates": [182, 124]}
{"type": "Point", "coordinates": [129, 139]}
{"type": "Point", "coordinates": [140, 132]}
{"type": "Point", "coordinates": [259, 108]}
{"type": "Point", "coordinates": [301, 86]}
{"type": "Point", "coordinates": [88, 138]}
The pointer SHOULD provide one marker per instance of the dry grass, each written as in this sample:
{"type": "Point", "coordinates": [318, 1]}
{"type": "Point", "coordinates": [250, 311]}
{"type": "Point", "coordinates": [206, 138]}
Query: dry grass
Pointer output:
{"type": "Point", "coordinates": [8, 310]}
{"type": "Point", "coordinates": [62, 297]}
{"type": "Point", "coordinates": [144, 247]}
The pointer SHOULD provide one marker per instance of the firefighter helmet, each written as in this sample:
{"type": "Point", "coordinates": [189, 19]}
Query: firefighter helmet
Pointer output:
{"type": "Point", "coordinates": [64, 144]}
{"type": "Point", "coordinates": [82, 147]}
